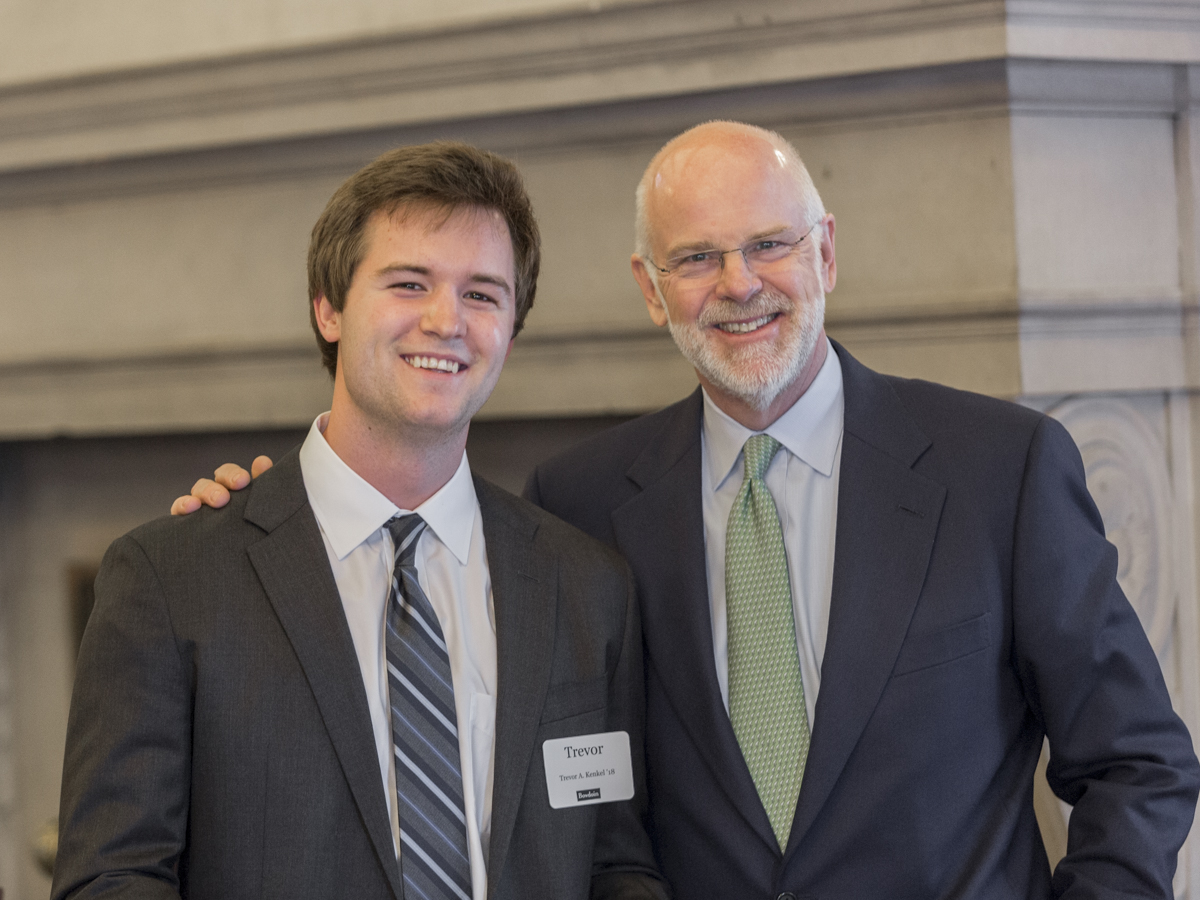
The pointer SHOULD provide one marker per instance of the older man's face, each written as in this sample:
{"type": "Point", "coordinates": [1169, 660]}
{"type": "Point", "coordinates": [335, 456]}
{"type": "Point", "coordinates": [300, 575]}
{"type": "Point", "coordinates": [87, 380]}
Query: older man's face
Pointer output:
{"type": "Point", "coordinates": [750, 331]}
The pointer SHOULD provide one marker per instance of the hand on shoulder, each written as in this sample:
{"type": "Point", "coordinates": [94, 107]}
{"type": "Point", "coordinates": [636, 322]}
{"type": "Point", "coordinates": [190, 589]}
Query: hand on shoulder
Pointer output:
{"type": "Point", "coordinates": [214, 491]}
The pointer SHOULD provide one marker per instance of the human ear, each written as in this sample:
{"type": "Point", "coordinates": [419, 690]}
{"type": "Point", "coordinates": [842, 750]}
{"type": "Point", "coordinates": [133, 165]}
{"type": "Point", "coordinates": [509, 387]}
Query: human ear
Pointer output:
{"type": "Point", "coordinates": [329, 320]}
{"type": "Point", "coordinates": [654, 299]}
{"type": "Point", "coordinates": [828, 259]}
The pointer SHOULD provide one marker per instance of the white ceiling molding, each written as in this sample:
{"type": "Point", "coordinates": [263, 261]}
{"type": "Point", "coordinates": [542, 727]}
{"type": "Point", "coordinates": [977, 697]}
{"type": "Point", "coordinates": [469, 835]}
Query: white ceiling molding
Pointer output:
{"type": "Point", "coordinates": [559, 60]}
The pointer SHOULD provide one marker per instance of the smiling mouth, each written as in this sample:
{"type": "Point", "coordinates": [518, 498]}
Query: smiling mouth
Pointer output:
{"type": "Point", "coordinates": [434, 364]}
{"type": "Point", "coordinates": [747, 327]}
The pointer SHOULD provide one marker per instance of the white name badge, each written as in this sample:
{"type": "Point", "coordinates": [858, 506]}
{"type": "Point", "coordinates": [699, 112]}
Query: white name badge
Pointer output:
{"type": "Point", "coordinates": [590, 768]}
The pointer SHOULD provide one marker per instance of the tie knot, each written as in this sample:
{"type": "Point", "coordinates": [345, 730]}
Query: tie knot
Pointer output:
{"type": "Point", "coordinates": [405, 531]}
{"type": "Point", "coordinates": [759, 451]}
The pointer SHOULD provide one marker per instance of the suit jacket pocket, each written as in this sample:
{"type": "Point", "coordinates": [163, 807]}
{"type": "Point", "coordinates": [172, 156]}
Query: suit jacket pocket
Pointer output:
{"type": "Point", "coordinates": [933, 648]}
{"type": "Point", "coordinates": [573, 698]}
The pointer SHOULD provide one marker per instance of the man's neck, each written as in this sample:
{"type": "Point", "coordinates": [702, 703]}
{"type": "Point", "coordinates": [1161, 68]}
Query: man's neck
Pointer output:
{"type": "Point", "coordinates": [407, 469]}
{"type": "Point", "coordinates": [762, 419]}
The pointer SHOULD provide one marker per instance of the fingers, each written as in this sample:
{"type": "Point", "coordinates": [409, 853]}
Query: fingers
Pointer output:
{"type": "Point", "coordinates": [184, 505]}
{"type": "Point", "coordinates": [230, 475]}
{"type": "Point", "coordinates": [214, 491]}
{"type": "Point", "coordinates": [260, 465]}
{"type": "Point", "coordinates": [210, 493]}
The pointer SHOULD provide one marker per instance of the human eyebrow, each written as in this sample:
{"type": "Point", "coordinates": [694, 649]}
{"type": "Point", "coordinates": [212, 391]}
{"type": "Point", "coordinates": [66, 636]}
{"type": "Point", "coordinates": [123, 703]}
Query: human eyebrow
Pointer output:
{"type": "Point", "coordinates": [496, 280]}
{"type": "Point", "coordinates": [400, 269]}
{"type": "Point", "coordinates": [688, 249]}
{"type": "Point", "coordinates": [783, 232]}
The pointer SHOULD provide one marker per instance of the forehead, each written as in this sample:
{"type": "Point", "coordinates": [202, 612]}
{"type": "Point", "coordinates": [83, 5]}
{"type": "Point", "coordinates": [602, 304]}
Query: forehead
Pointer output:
{"type": "Point", "coordinates": [439, 236]}
{"type": "Point", "coordinates": [721, 192]}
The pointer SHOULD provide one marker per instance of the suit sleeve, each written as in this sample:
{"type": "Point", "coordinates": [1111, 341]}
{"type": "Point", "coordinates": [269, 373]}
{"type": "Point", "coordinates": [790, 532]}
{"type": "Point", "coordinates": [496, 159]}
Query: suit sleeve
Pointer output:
{"type": "Point", "coordinates": [1117, 750]}
{"type": "Point", "coordinates": [126, 773]}
{"type": "Point", "coordinates": [623, 864]}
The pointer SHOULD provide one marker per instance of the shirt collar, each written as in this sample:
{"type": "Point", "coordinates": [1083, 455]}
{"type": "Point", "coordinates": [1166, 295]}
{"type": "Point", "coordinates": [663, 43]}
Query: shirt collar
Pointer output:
{"type": "Point", "coordinates": [810, 429]}
{"type": "Point", "coordinates": [349, 510]}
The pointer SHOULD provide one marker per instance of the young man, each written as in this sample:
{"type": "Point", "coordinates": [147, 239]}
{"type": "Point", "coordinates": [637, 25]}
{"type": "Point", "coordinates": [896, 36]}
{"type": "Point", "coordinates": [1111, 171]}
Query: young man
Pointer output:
{"type": "Point", "coordinates": [360, 679]}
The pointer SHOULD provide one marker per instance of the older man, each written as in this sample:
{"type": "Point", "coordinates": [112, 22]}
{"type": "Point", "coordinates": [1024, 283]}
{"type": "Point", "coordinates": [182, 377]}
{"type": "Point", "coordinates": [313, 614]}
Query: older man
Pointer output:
{"type": "Point", "coordinates": [865, 599]}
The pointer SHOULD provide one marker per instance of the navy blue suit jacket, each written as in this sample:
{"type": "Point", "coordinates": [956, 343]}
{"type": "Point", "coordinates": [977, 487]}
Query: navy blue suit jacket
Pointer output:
{"type": "Point", "coordinates": [975, 609]}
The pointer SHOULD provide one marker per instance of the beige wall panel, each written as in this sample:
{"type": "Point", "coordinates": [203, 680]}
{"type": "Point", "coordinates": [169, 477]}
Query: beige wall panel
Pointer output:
{"type": "Point", "coordinates": [924, 213]}
{"type": "Point", "coordinates": [156, 273]}
{"type": "Point", "coordinates": [584, 201]}
{"type": "Point", "coordinates": [1096, 209]}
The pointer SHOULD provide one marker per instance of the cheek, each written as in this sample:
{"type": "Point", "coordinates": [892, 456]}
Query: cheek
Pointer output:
{"type": "Point", "coordinates": [492, 337]}
{"type": "Point", "coordinates": [682, 312]}
{"type": "Point", "coordinates": [802, 290]}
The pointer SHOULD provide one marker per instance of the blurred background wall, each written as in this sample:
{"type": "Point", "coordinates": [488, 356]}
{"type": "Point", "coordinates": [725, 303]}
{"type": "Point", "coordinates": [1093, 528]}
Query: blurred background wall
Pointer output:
{"type": "Point", "coordinates": [1015, 184]}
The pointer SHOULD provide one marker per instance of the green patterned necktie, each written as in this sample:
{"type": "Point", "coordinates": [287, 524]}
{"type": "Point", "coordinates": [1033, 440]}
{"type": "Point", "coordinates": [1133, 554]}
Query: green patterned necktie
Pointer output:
{"type": "Point", "coordinates": [766, 693]}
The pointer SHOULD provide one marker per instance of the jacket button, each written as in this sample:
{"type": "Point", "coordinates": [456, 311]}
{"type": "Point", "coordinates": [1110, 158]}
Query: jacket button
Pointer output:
{"type": "Point", "coordinates": [786, 895]}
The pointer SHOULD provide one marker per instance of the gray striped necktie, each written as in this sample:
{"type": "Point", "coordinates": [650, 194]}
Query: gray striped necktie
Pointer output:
{"type": "Point", "coordinates": [433, 824]}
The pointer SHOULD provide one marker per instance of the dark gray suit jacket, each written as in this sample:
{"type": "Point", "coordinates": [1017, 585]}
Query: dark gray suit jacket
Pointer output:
{"type": "Point", "coordinates": [974, 609]}
{"type": "Point", "coordinates": [220, 744]}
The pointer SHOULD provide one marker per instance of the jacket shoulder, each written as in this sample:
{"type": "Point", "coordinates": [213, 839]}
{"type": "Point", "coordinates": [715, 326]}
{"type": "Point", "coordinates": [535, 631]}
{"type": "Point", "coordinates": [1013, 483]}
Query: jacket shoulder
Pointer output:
{"type": "Point", "coordinates": [981, 446]}
{"type": "Point", "coordinates": [210, 534]}
{"type": "Point", "coordinates": [934, 403]}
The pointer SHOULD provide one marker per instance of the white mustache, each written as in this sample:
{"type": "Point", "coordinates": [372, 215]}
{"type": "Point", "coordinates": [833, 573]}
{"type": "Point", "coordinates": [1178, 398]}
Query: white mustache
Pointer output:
{"type": "Point", "coordinates": [764, 304]}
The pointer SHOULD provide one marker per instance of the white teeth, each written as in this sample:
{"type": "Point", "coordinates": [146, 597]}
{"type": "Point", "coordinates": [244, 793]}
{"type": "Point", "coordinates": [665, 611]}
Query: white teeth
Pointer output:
{"type": "Point", "coordinates": [745, 327]}
{"type": "Point", "coordinates": [430, 362]}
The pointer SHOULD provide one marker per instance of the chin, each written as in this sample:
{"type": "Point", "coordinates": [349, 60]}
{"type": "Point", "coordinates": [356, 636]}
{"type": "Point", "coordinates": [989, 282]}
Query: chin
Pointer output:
{"type": "Point", "coordinates": [754, 375]}
{"type": "Point", "coordinates": [758, 390]}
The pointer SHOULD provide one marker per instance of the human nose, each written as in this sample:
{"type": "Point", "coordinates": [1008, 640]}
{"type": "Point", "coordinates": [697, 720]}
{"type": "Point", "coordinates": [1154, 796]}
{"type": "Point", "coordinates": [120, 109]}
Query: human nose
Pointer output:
{"type": "Point", "coordinates": [442, 315]}
{"type": "Point", "coordinates": [737, 280]}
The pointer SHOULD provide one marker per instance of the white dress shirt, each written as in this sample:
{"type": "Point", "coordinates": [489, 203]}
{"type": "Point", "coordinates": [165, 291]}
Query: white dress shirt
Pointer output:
{"type": "Point", "coordinates": [452, 569]}
{"type": "Point", "coordinates": [803, 481]}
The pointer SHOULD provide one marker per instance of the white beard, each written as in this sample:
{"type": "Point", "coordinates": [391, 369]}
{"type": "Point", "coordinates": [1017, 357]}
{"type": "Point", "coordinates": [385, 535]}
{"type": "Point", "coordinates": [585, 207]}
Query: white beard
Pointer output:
{"type": "Point", "coordinates": [758, 373]}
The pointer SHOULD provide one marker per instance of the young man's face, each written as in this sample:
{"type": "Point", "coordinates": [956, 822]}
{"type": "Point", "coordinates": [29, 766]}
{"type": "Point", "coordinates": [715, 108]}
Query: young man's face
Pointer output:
{"type": "Point", "coordinates": [427, 322]}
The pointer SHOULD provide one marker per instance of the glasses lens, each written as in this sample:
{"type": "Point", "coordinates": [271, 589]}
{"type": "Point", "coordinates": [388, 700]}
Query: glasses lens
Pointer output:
{"type": "Point", "coordinates": [763, 253]}
{"type": "Point", "coordinates": [696, 265]}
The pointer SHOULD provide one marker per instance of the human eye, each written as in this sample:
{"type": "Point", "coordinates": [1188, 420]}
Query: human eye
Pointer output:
{"type": "Point", "coordinates": [696, 263]}
{"type": "Point", "coordinates": [403, 285]}
{"type": "Point", "coordinates": [768, 249]}
{"type": "Point", "coordinates": [481, 297]}
{"type": "Point", "coordinates": [767, 245]}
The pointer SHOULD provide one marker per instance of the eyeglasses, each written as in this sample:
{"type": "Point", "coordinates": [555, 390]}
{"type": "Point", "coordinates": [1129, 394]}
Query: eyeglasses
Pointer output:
{"type": "Point", "coordinates": [762, 256]}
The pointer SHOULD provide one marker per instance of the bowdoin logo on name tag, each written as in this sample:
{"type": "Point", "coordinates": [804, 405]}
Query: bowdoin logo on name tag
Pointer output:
{"type": "Point", "coordinates": [590, 768]}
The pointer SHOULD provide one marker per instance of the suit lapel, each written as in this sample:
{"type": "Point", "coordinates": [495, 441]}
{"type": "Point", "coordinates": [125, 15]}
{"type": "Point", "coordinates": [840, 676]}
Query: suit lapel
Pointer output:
{"type": "Point", "coordinates": [292, 565]}
{"type": "Point", "coordinates": [886, 523]}
{"type": "Point", "coordinates": [525, 598]}
{"type": "Point", "coordinates": [661, 532]}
